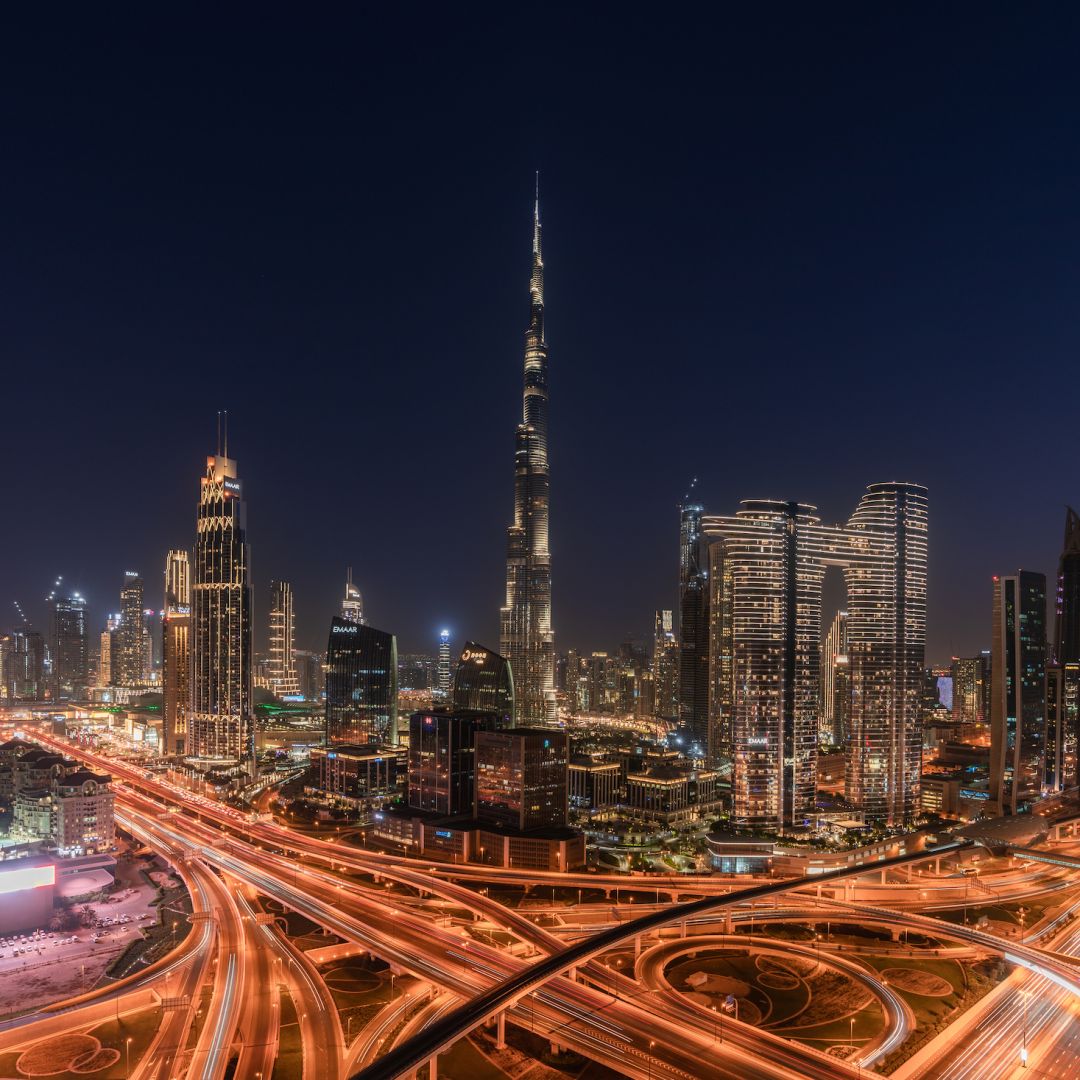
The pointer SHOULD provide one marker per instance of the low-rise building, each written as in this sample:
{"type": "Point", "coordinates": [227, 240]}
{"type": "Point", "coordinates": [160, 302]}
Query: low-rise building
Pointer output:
{"type": "Point", "coordinates": [357, 774]}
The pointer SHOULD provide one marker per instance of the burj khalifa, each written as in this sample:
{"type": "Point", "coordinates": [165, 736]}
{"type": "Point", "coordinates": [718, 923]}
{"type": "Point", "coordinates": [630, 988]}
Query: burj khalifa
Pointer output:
{"type": "Point", "coordinates": [526, 636]}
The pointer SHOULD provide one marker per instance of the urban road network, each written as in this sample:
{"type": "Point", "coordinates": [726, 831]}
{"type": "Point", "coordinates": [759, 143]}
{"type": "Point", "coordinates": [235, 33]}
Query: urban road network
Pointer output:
{"type": "Point", "coordinates": [593, 984]}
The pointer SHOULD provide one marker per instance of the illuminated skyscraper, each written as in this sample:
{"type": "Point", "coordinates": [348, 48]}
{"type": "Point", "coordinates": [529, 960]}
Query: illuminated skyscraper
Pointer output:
{"type": "Point", "coordinates": [70, 658]}
{"type": "Point", "coordinates": [774, 560]}
{"type": "Point", "coordinates": [352, 607]}
{"type": "Point", "coordinates": [282, 669]}
{"type": "Point", "coordinates": [443, 666]}
{"type": "Point", "coordinates": [361, 685]}
{"type": "Point", "coordinates": [1063, 676]}
{"type": "Point", "coordinates": [128, 651]}
{"type": "Point", "coordinates": [22, 665]}
{"type": "Point", "coordinates": [221, 725]}
{"type": "Point", "coordinates": [693, 627]}
{"type": "Point", "coordinates": [665, 667]}
{"type": "Point", "coordinates": [969, 694]}
{"type": "Point", "coordinates": [1018, 691]}
{"type": "Point", "coordinates": [835, 684]}
{"type": "Point", "coordinates": [176, 653]}
{"type": "Point", "coordinates": [526, 636]}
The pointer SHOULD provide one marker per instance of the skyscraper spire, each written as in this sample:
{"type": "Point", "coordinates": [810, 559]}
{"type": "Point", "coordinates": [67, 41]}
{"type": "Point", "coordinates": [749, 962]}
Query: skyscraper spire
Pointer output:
{"type": "Point", "coordinates": [526, 636]}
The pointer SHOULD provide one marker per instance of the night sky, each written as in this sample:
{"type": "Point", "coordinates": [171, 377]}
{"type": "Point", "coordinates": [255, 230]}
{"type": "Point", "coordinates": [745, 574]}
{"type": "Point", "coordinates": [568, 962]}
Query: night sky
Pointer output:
{"type": "Point", "coordinates": [789, 254]}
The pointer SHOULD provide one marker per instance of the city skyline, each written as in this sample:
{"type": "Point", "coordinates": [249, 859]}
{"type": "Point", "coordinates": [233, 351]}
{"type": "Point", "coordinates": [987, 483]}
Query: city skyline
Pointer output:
{"type": "Point", "coordinates": [669, 261]}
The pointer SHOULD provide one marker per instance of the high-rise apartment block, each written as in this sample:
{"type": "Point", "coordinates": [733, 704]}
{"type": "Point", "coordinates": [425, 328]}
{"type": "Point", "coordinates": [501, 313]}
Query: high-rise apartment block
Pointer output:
{"type": "Point", "coordinates": [772, 557]}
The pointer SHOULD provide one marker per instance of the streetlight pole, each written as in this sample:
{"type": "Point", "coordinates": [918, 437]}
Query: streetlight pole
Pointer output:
{"type": "Point", "coordinates": [1023, 1045]}
{"type": "Point", "coordinates": [127, 1054]}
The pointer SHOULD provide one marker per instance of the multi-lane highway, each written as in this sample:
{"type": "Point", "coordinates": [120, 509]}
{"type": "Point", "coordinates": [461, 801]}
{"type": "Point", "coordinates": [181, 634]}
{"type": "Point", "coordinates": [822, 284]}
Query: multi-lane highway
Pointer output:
{"type": "Point", "coordinates": [408, 912]}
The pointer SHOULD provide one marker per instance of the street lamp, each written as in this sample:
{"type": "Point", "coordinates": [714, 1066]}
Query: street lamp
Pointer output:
{"type": "Point", "coordinates": [1024, 994]}
{"type": "Point", "coordinates": [127, 1054]}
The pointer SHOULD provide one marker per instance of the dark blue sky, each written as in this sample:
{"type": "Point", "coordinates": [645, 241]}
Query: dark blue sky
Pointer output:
{"type": "Point", "coordinates": [790, 254]}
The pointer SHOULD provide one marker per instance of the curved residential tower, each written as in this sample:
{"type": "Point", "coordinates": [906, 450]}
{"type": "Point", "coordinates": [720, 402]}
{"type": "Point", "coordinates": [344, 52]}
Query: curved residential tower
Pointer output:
{"type": "Point", "coordinates": [526, 637]}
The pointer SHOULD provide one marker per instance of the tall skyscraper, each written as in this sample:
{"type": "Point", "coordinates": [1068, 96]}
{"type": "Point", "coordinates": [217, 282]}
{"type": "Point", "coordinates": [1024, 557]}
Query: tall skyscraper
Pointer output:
{"type": "Point", "coordinates": [176, 653]}
{"type": "Point", "coordinates": [361, 685]}
{"type": "Point", "coordinates": [774, 556]}
{"type": "Point", "coordinates": [282, 668]}
{"type": "Point", "coordinates": [1018, 691]}
{"type": "Point", "coordinates": [22, 665]}
{"type": "Point", "coordinates": [1067, 600]}
{"type": "Point", "coordinates": [526, 636]}
{"type": "Point", "coordinates": [221, 725]}
{"type": "Point", "coordinates": [128, 652]}
{"type": "Point", "coordinates": [70, 656]}
{"type": "Point", "coordinates": [483, 682]}
{"type": "Point", "coordinates": [693, 628]}
{"type": "Point", "coordinates": [352, 607]}
{"type": "Point", "coordinates": [665, 666]}
{"type": "Point", "coordinates": [969, 695]}
{"type": "Point", "coordinates": [442, 671]}
{"type": "Point", "coordinates": [835, 684]}
{"type": "Point", "coordinates": [1063, 677]}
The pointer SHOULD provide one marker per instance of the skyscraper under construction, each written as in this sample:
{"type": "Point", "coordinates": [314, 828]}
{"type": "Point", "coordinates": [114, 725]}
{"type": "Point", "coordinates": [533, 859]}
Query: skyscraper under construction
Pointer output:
{"type": "Point", "coordinates": [526, 636]}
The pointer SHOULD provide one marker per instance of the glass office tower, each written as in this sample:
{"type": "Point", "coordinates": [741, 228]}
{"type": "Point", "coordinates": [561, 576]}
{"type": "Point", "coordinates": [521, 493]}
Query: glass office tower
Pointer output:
{"type": "Point", "coordinates": [361, 685]}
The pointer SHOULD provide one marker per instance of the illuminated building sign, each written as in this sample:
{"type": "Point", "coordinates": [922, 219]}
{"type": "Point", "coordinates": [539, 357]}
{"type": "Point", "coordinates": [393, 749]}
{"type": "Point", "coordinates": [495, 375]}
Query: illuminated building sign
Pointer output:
{"type": "Point", "coordinates": [444, 833]}
{"type": "Point", "coordinates": [350, 629]}
{"type": "Point", "coordinates": [26, 877]}
{"type": "Point", "coordinates": [968, 793]}
{"type": "Point", "coordinates": [474, 655]}
{"type": "Point", "coordinates": [232, 487]}
{"type": "Point", "coordinates": [758, 740]}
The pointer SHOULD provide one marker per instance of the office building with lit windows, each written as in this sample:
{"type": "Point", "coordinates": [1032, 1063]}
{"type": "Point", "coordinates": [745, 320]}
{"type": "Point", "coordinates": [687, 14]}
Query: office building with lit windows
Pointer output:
{"type": "Point", "coordinates": [522, 779]}
{"type": "Point", "coordinates": [221, 722]}
{"type": "Point", "coordinates": [361, 685]}
{"type": "Point", "coordinates": [772, 557]}
{"type": "Point", "coordinates": [70, 655]}
{"type": "Point", "coordinates": [483, 682]}
{"type": "Point", "coordinates": [1018, 691]}
{"type": "Point", "coordinates": [442, 761]}
{"type": "Point", "coordinates": [128, 658]}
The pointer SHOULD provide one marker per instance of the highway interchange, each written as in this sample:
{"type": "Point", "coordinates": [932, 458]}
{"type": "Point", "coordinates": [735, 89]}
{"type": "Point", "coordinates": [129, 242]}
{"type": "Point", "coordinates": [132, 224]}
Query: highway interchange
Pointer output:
{"type": "Point", "coordinates": [471, 960]}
